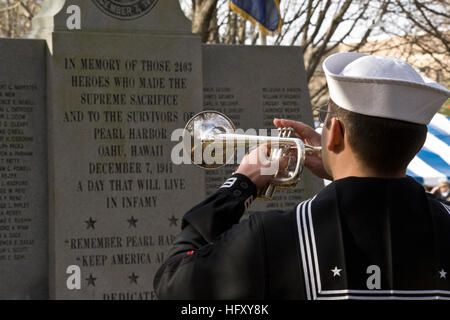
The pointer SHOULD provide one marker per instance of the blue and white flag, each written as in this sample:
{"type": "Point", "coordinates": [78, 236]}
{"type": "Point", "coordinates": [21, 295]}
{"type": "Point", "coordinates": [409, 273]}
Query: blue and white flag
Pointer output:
{"type": "Point", "coordinates": [265, 13]}
{"type": "Point", "coordinates": [431, 166]}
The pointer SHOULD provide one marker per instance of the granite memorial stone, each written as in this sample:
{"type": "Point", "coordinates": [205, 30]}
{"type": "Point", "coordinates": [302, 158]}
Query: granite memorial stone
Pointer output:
{"type": "Point", "coordinates": [23, 170]}
{"type": "Point", "coordinates": [118, 87]}
{"type": "Point", "coordinates": [253, 85]}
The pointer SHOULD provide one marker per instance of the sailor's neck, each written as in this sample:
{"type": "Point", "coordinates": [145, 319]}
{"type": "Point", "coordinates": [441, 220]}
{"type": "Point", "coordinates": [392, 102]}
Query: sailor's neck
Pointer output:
{"type": "Point", "coordinates": [361, 171]}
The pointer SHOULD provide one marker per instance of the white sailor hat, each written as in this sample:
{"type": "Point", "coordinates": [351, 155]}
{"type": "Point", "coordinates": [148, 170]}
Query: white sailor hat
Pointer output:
{"type": "Point", "coordinates": [382, 87]}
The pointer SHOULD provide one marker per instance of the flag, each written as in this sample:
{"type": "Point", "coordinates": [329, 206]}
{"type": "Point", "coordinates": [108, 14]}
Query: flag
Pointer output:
{"type": "Point", "coordinates": [265, 13]}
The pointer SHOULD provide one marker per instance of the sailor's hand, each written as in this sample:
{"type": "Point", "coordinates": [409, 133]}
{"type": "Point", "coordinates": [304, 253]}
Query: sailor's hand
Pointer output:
{"type": "Point", "coordinates": [309, 136]}
{"type": "Point", "coordinates": [258, 166]}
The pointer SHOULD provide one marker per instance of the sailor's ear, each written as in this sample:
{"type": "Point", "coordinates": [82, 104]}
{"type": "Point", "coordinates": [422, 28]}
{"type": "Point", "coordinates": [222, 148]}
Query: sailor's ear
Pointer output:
{"type": "Point", "coordinates": [335, 141]}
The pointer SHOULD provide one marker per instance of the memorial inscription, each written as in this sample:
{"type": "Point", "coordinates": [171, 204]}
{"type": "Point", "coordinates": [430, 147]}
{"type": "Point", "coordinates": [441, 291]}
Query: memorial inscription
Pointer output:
{"type": "Point", "coordinates": [16, 141]}
{"type": "Point", "coordinates": [23, 181]}
{"type": "Point", "coordinates": [123, 198]}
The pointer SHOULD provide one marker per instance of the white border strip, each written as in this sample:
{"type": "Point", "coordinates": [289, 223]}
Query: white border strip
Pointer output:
{"type": "Point", "coordinates": [350, 297]}
{"type": "Point", "coordinates": [313, 240]}
{"type": "Point", "coordinates": [308, 251]}
{"type": "Point", "coordinates": [446, 207]}
{"type": "Point", "coordinates": [385, 292]}
{"type": "Point", "coordinates": [302, 249]}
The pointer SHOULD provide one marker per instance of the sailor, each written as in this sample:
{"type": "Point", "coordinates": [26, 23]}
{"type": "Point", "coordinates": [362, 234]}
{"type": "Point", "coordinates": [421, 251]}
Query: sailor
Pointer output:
{"type": "Point", "coordinates": [373, 233]}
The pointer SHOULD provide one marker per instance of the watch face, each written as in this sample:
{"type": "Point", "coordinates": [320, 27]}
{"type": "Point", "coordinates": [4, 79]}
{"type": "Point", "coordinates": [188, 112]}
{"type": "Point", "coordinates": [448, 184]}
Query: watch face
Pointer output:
{"type": "Point", "coordinates": [125, 9]}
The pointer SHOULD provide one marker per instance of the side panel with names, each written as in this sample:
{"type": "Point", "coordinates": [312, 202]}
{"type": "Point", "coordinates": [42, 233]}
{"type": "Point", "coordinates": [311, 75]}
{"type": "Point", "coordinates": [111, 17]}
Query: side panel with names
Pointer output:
{"type": "Point", "coordinates": [254, 85]}
{"type": "Point", "coordinates": [23, 171]}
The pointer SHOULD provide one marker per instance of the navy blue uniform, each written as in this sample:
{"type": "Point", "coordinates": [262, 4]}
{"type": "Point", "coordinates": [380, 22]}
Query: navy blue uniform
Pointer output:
{"type": "Point", "coordinates": [359, 238]}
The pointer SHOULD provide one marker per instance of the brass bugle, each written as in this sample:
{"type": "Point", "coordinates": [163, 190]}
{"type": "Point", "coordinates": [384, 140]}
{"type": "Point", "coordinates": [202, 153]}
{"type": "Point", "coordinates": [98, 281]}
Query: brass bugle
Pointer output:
{"type": "Point", "coordinates": [216, 131]}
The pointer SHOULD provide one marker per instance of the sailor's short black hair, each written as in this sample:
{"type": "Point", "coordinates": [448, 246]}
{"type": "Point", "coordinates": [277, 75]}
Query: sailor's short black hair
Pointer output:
{"type": "Point", "coordinates": [386, 145]}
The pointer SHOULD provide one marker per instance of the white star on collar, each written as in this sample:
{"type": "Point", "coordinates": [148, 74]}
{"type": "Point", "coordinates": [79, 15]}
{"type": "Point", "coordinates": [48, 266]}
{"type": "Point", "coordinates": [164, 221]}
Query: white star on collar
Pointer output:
{"type": "Point", "coordinates": [336, 271]}
{"type": "Point", "coordinates": [443, 274]}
